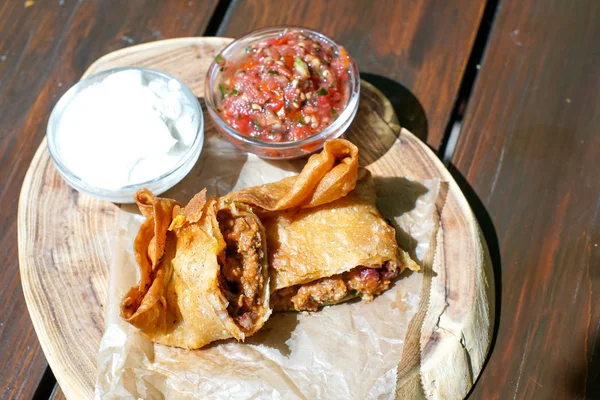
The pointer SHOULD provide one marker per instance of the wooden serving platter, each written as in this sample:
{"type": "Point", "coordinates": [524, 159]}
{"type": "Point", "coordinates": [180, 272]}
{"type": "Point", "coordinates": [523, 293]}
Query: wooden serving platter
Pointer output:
{"type": "Point", "coordinates": [65, 247]}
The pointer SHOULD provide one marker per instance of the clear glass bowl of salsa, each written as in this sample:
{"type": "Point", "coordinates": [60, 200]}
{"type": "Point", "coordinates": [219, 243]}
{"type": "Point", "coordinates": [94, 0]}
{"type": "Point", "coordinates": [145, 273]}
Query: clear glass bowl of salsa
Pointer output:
{"type": "Point", "coordinates": [281, 92]}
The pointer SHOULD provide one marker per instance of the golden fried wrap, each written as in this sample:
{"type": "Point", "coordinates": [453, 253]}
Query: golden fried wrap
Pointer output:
{"type": "Point", "coordinates": [326, 177]}
{"type": "Point", "coordinates": [313, 243]}
{"type": "Point", "coordinates": [203, 272]}
{"type": "Point", "coordinates": [326, 240]}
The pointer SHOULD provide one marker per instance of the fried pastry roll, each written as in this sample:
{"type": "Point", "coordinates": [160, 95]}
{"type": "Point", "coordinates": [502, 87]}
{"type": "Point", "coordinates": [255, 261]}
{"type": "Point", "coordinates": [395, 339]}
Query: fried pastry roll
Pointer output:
{"type": "Point", "coordinates": [203, 272]}
{"type": "Point", "coordinates": [326, 240]}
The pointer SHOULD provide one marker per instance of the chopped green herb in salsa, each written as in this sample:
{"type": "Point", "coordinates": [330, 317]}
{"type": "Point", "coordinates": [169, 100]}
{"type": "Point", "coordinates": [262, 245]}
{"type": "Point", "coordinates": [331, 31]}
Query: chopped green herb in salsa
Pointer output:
{"type": "Point", "coordinates": [285, 88]}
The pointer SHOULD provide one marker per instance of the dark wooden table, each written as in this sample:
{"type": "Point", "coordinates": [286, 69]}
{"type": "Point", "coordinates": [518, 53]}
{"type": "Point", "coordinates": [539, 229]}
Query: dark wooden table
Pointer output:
{"type": "Point", "coordinates": [507, 92]}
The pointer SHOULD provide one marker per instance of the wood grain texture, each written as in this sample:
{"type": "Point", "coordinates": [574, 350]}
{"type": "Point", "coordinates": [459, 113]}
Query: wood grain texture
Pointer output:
{"type": "Point", "coordinates": [65, 255]}
{"type": "Point", "coordinates": [44, 49]}
{"type": "Point", "coordinates": [530, 148]}
{"type": "Point", "coordinates": [421, 45]}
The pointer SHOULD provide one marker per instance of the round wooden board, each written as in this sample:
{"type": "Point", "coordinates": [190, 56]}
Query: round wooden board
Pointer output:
{"type": "Point", "coordinates": [65, 247]}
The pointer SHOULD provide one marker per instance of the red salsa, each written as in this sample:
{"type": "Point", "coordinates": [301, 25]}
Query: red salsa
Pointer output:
{"type": "Point", "coordinates": [285, 88]}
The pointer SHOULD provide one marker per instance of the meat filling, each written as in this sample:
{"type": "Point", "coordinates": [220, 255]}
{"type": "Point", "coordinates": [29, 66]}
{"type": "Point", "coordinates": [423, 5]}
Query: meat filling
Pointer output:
{"type": "Point", "coordinates": [241, 277]}
{"type": "Point", "coordinates": [360, 281]}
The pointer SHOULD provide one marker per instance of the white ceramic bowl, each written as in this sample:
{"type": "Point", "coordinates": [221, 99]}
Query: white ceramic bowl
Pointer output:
{"type": "Point", "coordinates": [125, 194]}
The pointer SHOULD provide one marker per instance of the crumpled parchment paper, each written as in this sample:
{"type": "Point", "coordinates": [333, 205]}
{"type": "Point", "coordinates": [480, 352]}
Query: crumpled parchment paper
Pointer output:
{"type": "Point", "coordinates": [347, 351]}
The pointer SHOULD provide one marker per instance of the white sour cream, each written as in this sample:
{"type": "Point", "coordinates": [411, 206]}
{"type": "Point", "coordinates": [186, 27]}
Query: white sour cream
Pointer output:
{"type": "Point", "coordinates": [127, 129]}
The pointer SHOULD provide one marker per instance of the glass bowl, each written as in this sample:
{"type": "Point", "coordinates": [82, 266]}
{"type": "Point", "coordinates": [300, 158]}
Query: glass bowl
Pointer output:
{"type": "Point", "coordinates": [157, 180]}
{"type": "Point", "coordinates": [279, 150]}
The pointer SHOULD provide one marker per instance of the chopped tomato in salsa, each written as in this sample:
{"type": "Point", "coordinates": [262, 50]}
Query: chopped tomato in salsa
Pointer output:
{"type": "Point", "coordinates": [285, 88]}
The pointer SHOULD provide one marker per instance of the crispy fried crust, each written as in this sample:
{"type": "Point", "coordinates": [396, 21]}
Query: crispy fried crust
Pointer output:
{"type": "Point", "coordinates": [198, 286]}
{"type": "Point", "coordinates": [179, 301]}
{"type": "Point", "coordinates": [324, 221]}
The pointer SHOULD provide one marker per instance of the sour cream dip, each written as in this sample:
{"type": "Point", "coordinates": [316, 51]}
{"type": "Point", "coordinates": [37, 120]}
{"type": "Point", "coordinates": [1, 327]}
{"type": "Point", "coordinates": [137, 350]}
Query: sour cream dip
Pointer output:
{"type": "Point", "coordinates": [124, 129]}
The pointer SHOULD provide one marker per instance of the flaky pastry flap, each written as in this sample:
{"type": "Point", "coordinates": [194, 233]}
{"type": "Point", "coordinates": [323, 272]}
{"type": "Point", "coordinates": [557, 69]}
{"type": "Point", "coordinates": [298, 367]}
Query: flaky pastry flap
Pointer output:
{"type": "Point", "coordinates": [327, 176]}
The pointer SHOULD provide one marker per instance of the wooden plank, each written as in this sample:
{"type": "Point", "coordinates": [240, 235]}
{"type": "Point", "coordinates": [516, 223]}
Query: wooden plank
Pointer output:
{"type": "Point", "coordinates": [530, 148]}
{"type": "Point", "coordinates": [422, 46]}
{"type": "Point", "coordinates": [44, 48]}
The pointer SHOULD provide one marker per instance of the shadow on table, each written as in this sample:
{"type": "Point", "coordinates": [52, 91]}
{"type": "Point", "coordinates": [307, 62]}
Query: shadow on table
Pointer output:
{"type": "Point", "coordinates": [489, 233]}
{"type": "Point", "coordinates": [397, 196]}
{"type": "Point", "coordinates": [384, 107]}
{"type": "Point", "coordinates": [584, 380]}
{"type": "Point", "coordinates": [407, 107]}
